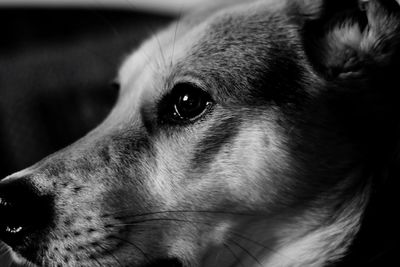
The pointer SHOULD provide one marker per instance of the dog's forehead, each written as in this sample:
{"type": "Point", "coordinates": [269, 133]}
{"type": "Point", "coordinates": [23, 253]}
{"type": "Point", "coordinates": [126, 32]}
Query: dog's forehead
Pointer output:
{"type": "Point", "coordinates": [234, 50]}
{"type": "Point", "coordinates": [244, 52]}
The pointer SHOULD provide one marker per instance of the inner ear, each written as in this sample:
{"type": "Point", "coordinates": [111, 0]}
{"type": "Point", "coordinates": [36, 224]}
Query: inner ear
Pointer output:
{"type": "Point", "coordinates": [353, 39]}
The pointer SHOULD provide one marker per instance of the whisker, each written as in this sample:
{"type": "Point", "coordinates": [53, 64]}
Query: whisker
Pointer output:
{"type": "Point", "coordinates": [233, 254]}
{"type": "Point", "coordinates": [155, 36]}
{"type": "Point", "coordinates": [93, 258]}
{"type": "Point", "coordinates": [111, 254]}
{"type": "Point", "coordinates": [178, 211]}
{"type": "Point", "coordinates": [176, 30]}
{"type": "Point", "coordinates": [149, 220]}
{"type": "Point", "coordinates": [234, 233]}
{"type": "Point", "coordinates": [89, 257]}
{"type": "Point", "coordinates": [133, 245]}
{"type": "Point", "coordinates": [97, 262]}
{"type": "Point", "coordinates": [148, 60]}
{"type": "Point", "coordinates": [247, 252]}
{"type": "Point", "coordinates": [239, 235]}
{"type": "Point", "coordinates": [253, 241]}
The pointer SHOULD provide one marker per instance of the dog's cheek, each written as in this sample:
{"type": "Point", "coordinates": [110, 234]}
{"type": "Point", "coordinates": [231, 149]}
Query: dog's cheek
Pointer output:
{"type": "Point", "coordinates": [251, 157]}
{"type": "Point", "coordinates": [247, 170]}
{"type": "Point", "coordinates": [162, 181]}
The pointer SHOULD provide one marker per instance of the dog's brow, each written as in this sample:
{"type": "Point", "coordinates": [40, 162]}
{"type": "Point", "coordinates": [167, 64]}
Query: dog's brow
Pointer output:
{"type": "Point", "coordinates": [246, 59]}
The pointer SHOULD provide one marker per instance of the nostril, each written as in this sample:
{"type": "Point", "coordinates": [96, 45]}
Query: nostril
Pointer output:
{"type": "Point", "coordinates": [23, 211]}
{"type": "Point", "coordinates": [10, 222]}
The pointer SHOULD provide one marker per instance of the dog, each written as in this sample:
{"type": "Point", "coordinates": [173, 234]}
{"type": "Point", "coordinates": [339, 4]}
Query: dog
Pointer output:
{"type": "Point", "coordinates": [248, 133]}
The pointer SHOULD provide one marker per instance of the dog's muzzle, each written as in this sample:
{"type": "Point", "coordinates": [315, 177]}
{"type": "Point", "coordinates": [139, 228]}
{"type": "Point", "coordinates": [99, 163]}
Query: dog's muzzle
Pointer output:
{"type": "Point", "coordinates": [24, 213]}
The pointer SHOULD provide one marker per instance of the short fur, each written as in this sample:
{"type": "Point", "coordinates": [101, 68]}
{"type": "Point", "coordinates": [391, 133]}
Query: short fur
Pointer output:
{"type": "Point", "coordinates": [277, 173]}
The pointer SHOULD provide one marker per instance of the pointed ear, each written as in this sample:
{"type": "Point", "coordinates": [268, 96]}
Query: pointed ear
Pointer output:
{"type": "Point", "coordinates": [352, 39]}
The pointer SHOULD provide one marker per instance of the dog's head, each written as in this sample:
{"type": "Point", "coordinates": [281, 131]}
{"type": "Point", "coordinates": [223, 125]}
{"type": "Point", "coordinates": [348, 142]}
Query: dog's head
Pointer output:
{"type": "Point", "coordinates": [242, 134]}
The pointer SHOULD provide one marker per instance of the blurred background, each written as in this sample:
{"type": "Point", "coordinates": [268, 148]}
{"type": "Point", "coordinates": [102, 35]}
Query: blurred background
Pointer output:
{"type": "Point", "coordinates": [57, 61]}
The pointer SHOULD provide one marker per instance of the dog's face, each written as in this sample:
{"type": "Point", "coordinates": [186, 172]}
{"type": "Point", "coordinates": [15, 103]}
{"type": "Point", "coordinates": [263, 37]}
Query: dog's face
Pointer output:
{"type": "Point", "coordinates": [226, 145]}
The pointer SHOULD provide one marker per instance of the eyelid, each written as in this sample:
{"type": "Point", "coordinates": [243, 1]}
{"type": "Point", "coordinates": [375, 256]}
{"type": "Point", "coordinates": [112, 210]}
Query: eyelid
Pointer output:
{"type": "Point", "coordinates": [193, 79]}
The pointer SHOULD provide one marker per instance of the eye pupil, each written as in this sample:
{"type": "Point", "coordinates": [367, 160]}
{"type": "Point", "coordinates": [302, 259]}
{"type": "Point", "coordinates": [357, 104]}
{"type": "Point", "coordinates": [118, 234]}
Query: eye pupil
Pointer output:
{"type": "Point", "coordinates": [190, 102]}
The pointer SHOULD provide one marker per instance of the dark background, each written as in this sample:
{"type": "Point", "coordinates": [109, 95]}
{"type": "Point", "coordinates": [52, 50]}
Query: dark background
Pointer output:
{"type": "Point", "coordinates": [56, 66]}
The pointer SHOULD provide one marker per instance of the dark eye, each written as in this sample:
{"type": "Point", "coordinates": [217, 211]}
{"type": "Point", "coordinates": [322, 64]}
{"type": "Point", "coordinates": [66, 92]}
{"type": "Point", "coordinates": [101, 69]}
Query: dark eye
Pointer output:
{"type": "Point", "coordinates": [187, 103]}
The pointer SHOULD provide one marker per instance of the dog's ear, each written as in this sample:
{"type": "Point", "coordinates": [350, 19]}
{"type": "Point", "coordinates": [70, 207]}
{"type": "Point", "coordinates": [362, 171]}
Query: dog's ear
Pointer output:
{"type": "Point", "coordinates": [355, 46]}
{"type": "Point", "coordinates": [351, 39]}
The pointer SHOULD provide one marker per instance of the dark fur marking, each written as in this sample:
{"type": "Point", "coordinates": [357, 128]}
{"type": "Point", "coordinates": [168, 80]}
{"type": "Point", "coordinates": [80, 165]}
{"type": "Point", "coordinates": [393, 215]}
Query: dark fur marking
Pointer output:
{"type": "Point", "coordinates": [66, 258]}
{"type": "Point", "coordinates": [216, 137]}
{"type": "Point", "coordinates": [68, 222]}
{"type": "Point", "coordinates": [148, 117]}
{"type": "Point", "coordinates": [77, 189]}
{"type": "Point", "coordinates": [104, 154]}
{"type": "Point", "coordinates": [95, 243]}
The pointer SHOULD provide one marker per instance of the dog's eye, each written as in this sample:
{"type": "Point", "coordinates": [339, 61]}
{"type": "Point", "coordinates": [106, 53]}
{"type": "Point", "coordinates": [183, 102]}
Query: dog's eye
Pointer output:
{"type": "Point", "coordinates": [187, 103]}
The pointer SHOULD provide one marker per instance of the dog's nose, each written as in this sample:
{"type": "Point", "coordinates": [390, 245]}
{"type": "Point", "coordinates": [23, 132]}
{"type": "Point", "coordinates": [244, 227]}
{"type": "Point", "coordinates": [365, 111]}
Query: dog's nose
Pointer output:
{"type": "Point", "coordinates": [24, 211]}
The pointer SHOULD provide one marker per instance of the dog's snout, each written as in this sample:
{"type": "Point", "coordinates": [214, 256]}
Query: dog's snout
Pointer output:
{"type": "Point", "coordinates": [23, 211]}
